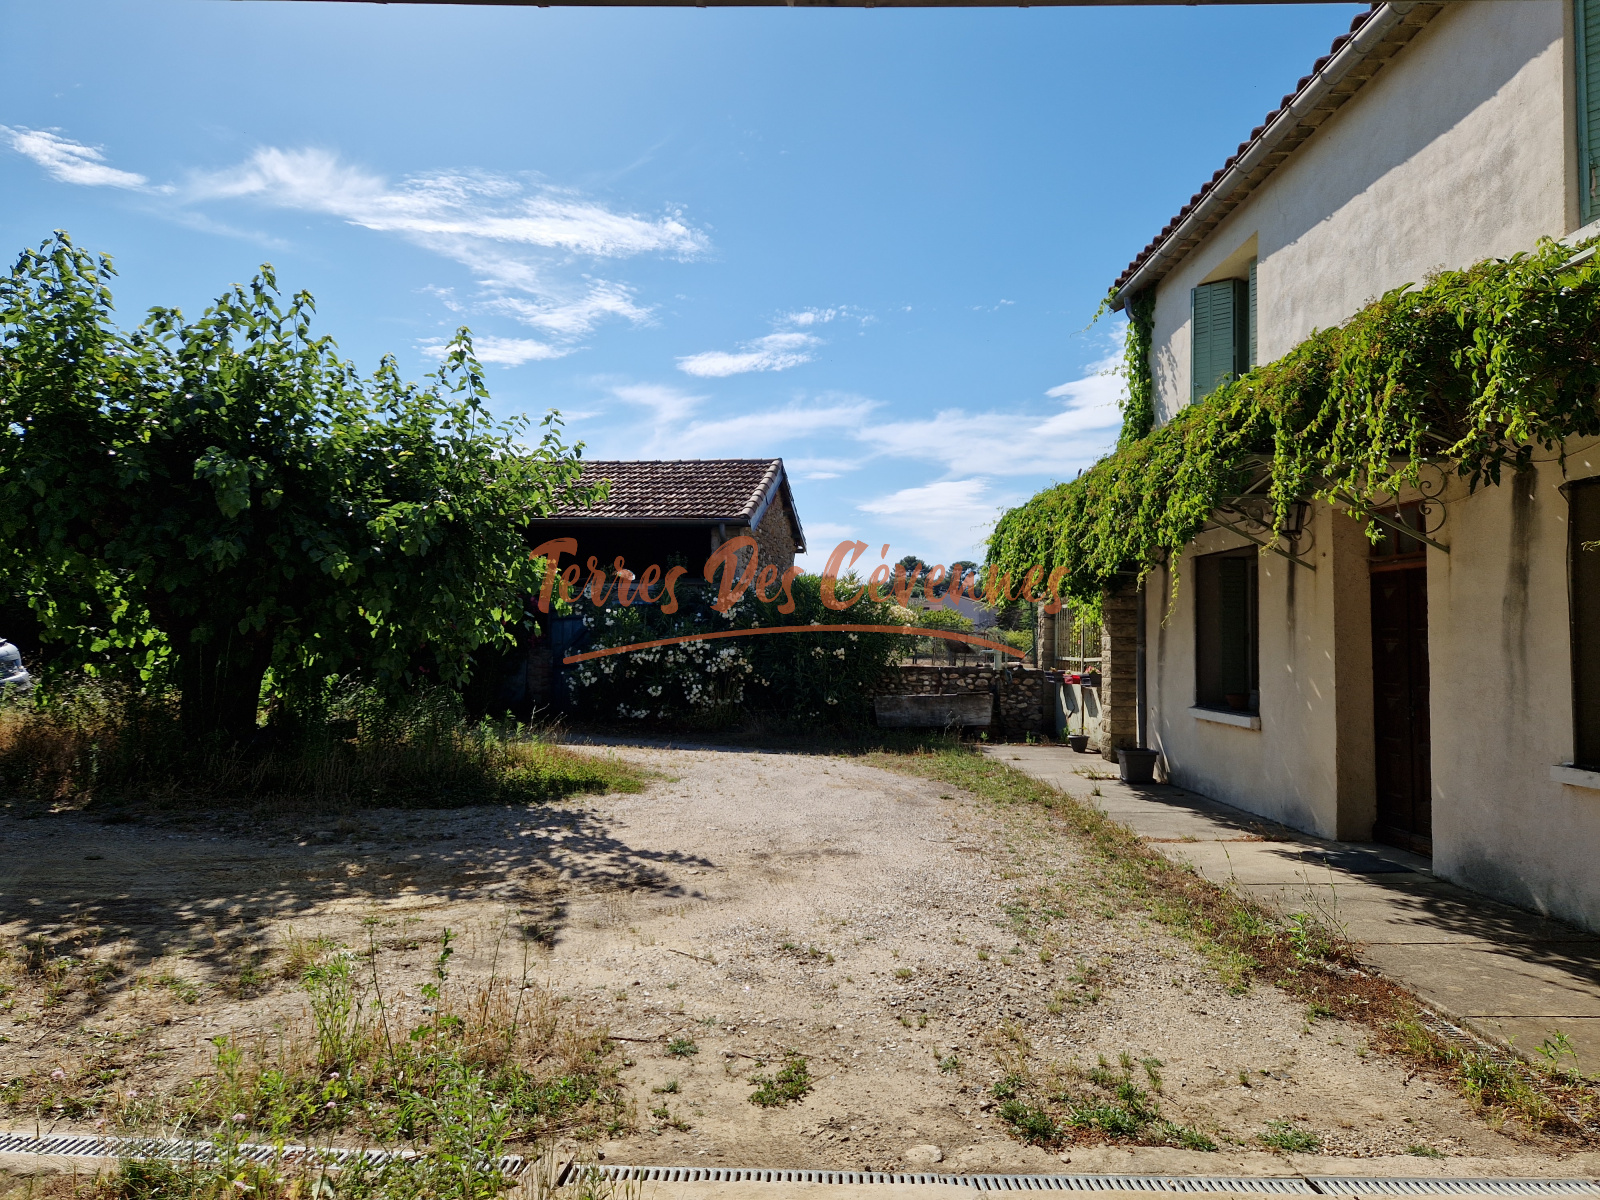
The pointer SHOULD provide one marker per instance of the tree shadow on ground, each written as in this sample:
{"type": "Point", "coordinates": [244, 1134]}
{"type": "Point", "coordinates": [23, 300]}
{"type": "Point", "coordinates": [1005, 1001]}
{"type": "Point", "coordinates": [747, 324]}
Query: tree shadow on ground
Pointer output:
{"type": "Point", "coordinates": [77, 883]}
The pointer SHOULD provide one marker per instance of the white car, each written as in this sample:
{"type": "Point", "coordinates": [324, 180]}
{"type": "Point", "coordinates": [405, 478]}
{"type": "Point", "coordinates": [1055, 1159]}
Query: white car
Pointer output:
{"type": "Point", "coordinates": [12, 672]}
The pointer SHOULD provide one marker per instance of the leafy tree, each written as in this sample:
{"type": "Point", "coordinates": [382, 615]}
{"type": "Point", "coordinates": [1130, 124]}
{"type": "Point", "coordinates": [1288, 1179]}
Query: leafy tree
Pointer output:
{"type": "Point", "coordinates": [217, 498]}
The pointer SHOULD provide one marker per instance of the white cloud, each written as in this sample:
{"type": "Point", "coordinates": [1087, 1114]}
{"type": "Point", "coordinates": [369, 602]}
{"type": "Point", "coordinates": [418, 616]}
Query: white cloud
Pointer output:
{"type": "Point", "coordinates": [944, 519]}
{"type": "Point", "coordinates": [821, 468]}
{"type": "Point", "coordinates": [775, 352]}
{"type": "Point", "coordinates": [499, 351]}
{"type": "Point", "coordinates": [68, 161]}
{"type": "Point", "coordinates": [514, 237]}
{"type": "Point", "coordinates": [574, 316]}
{"type": "Point", "coordinates": [667, 404]}
{"type": "Point", "coordinates": [993, 443]}
{"type": "Point", "coordinates": [807, 317]}
{"type": "Point", "coordinates": [475, 205]}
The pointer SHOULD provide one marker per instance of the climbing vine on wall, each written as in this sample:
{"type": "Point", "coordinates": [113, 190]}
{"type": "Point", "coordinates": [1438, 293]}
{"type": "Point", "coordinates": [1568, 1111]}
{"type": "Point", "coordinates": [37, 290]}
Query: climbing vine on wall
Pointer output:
{"type": "Point", "coordinates": [1139, 409]}
{"type": "Point", "coordinates": [1476, 368]}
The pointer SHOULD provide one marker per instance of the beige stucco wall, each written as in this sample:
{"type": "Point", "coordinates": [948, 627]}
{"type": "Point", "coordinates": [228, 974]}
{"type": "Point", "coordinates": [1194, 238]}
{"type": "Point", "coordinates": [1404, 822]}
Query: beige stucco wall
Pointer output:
{"type": "Point", "coordinates": [1460, 149]}
{"type": "Point", "coordinates": [1309, 765]}
{"type": "Point", "coordinates": [1501, 678]}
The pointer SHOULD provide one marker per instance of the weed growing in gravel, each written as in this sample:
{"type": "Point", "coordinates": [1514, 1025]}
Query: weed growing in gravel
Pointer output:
{"type": "Point", "coordinates": [1499, 1085]}
{"type": "Point", "coordinates": [950, 1063]}
{"type": "Point", "coordinates": [670, 1087]}
{"type": "Point", "coordinates": [1112, 1108]}
{"type": "Point", "coordinates": [682, 1047]}
{"type": "Point", "coordinates": [786, 1085]}
{"type": "Point", "coordinates": [1289, 1138]}
{"type": "Point", "coordinates": [1424, 1152]}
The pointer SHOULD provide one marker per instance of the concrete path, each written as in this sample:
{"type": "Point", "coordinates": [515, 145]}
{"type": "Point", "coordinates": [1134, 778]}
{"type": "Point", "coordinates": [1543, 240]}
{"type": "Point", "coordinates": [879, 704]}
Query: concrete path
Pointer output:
{"type": "Point", "coordinates": [1507, 973]}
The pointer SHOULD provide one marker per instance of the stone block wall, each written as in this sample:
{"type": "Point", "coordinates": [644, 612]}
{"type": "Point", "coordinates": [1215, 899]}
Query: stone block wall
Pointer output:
{"type": "Point", "coordinates": [1022, 696]}
{"type": "Point", "coordinates": [1119, 657]}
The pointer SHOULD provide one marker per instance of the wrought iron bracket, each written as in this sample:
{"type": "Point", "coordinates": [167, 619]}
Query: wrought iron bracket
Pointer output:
{"type": "Point", "coordinates": [1366, 510]}
{"type": "Point", "coordinates": [1238, 527]}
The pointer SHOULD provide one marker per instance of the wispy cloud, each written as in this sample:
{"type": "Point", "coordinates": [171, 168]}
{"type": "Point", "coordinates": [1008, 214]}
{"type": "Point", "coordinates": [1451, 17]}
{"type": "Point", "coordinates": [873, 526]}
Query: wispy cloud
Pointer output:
{"type": "Point", "coordinates": [675, 429]}
{"type": "Point", "coordinates": [476, 205]}
{"type": "Point", "coordinates": [943, 517]}
{"type": "Point", "coordinates": [666, 404]}
{"type": "Point", "coordinates": [995, 443]}
{"type": "Point", "coordinates": [499, 351]}
{"type": "Point", "coordinates": [775, 352]}
{"type": "Point", "coordinates": [68, 161]}
{"type": "Point", "coordinates": [788, 346]}
{"type": "Point", "coordinates": [517, 237]}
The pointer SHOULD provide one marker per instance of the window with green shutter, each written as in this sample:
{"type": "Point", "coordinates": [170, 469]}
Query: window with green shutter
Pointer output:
{"type": "Point", "coordinates": [1226, 664]}
{"type": "Point", "coordinates": [1252, 360]}
{"type": "Point", "coordinates": [1586, 27]}
{"type": "Point", "coordinates": [1219, 328]}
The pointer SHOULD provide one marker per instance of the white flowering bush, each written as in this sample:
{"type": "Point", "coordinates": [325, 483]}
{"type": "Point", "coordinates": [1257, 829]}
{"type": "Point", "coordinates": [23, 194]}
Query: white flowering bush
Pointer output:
{"type": "Point", "coordinates": [829, 675]}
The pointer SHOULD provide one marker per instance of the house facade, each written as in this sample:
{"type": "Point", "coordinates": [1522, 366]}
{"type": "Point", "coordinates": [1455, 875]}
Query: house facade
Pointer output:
{"type": "Point", "coordinates": [1438, 690]}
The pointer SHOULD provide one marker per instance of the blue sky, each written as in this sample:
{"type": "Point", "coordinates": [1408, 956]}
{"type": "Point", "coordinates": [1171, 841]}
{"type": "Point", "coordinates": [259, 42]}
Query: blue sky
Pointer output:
{"type": "Point", "coordinates": [869, 241]}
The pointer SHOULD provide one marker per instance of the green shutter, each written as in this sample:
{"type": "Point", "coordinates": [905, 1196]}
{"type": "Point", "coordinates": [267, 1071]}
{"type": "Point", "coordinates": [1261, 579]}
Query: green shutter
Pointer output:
{"type": "Point", "coordinates": [1219, 331]}
{"type": "Point", "coordinates": [1586, 24]}
{"type": "Point", "coordinates": [1252, 359]}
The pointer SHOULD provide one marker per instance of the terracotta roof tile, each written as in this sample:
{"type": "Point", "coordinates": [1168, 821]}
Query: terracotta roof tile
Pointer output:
{"type": "Point", "coordinates": [708, 489]}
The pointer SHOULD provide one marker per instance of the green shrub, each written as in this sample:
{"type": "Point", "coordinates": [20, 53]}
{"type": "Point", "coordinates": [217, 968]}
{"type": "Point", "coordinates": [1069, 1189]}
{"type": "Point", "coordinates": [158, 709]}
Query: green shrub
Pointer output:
{"type": "Point", "coordinates": [827, 676]}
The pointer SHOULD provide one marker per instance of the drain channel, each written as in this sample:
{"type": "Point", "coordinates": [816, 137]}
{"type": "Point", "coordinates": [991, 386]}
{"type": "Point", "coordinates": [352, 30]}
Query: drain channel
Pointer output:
{"type": "Point", "coordinates": [91, 1145]}
{"type": "Point", "coordinates": [1311, 1185]}
{"type": "Point", "coordinates": [88, 1145]}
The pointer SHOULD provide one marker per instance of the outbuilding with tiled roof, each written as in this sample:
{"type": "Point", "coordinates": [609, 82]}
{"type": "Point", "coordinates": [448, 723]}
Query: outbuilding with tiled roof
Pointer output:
{"type": "Point", "coordinates": [677, 511]}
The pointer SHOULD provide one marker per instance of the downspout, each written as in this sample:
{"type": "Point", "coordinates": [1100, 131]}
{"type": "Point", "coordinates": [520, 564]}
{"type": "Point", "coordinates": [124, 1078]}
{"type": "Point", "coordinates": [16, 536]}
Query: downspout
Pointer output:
{"type": "Point", "coordinates": [1141, 724]}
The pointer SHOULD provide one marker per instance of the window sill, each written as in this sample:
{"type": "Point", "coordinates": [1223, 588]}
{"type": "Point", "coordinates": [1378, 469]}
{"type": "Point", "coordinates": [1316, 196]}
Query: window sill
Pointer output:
{"type": "Point", "coordinates": [1244, 720]}
{"type": "Point", "coordinates": [1576, 777]}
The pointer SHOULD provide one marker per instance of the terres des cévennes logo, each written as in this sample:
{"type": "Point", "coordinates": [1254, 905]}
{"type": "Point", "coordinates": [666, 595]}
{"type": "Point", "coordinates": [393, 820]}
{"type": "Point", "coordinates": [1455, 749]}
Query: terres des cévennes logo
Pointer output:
{"type": "Point", "coordinates": [734, 574]}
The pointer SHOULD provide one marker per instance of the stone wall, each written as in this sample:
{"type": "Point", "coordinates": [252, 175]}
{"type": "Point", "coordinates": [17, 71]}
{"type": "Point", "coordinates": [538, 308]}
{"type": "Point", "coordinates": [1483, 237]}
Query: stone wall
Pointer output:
{"type": "Point", "coordinates": [1118, 671]}
{"type": "Point", "coordinates": [1022, 695]}
{"type": "Point", "coordinates": [775, 535]}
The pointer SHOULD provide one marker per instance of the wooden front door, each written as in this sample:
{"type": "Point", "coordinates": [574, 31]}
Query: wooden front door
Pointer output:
{"type": "Point", "coordinates": [1400, 707]}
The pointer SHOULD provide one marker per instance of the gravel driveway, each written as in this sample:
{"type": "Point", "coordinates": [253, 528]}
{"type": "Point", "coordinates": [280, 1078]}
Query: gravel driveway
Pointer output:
{"type": "Point", "coordinates": [913, 944]}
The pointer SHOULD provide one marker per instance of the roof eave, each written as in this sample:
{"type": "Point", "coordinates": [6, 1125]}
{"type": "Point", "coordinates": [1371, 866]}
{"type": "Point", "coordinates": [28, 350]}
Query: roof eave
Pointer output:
{"type": "Point", "coordinates": [1325, 90]}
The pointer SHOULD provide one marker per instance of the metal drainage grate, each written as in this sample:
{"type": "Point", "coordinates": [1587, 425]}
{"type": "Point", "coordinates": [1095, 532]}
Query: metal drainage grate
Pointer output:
{"type": "Point", "coordinates": [90, 1145]}
{"type": "Point", "coordinates": [986, 1183]}
{"type": "Point", "coordinates": [1347, 1186]}
{"type": "Point", "coordinates": [1297, 1186]}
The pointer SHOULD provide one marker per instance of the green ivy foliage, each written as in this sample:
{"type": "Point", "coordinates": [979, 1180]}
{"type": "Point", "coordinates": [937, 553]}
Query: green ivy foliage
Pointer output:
{"type": "Point", "coordinates": [1477, 369]}
{"type": "Point", "coordinates": [799, 678]}
{"type": "Point", "coordinates": [1139, 409]}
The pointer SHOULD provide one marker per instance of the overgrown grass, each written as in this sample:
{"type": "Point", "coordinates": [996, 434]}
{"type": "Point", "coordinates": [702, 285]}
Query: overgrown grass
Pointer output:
{"type": "Point", "coordinates": [504, 1054]}
{"type": "Point", "coordinates": [1246, 944]}
{"type": "Point", "coordinates": [489, 1065]}
{"type": "Point", "coordinates": [95, 745]}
